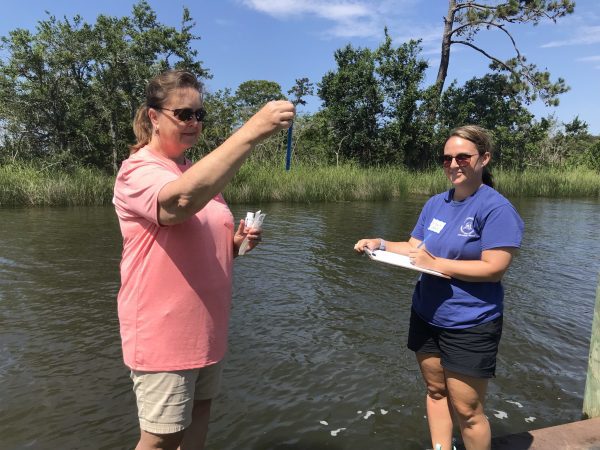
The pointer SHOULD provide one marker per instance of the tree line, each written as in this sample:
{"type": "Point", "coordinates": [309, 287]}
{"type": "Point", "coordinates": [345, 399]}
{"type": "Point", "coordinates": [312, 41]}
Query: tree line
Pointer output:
{"type": "Point", "coordinates": [69, 92]}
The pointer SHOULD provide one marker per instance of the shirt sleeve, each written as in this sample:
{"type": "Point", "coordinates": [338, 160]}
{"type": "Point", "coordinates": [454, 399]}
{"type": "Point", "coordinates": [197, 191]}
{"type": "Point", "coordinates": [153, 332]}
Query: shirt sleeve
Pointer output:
{"type": "Point", "coordinates": [418, 231]}
{"type": "Point", "coordinates": [503, 228]}
{"type": "Point", "coordinates": [137, 188]}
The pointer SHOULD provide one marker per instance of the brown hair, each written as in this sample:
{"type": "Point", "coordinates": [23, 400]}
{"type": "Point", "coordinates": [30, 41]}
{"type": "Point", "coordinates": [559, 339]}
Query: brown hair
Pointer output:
{"type": "Point", "coordinates": [483, 142]}
{"type": "Point", "coordinates": [157, 92]}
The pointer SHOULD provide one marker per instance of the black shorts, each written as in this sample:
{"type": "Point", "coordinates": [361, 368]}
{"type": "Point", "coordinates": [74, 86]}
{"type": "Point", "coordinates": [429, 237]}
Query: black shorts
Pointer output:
{"type": "Point", "coordinates": [469, 351]}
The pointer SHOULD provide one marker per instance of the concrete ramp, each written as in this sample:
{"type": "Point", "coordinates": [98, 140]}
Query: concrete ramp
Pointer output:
{"type": "Point", "coordinates": [582, 435]}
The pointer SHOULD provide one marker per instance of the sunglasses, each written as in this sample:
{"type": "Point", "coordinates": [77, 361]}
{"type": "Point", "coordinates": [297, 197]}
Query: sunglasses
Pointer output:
{"type": "Point", "coordinates": [462, 159]}
{"type": "Point", "coordinates": [186, 114]}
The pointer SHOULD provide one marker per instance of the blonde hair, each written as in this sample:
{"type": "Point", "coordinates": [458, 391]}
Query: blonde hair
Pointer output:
{"type": "Point", "coordinates": [157, 92]}
{"type": "Point", "coordinates": [483, 142]}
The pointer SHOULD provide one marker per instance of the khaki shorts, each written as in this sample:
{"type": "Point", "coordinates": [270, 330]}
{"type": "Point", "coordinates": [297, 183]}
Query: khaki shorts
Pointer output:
{"type": "Point", "coordinates": [165, 399]}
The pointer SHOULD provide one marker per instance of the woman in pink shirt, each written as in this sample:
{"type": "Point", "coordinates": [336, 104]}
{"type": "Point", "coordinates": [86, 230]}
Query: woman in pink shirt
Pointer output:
{"type": "Point", "coordinates": [179, 241]}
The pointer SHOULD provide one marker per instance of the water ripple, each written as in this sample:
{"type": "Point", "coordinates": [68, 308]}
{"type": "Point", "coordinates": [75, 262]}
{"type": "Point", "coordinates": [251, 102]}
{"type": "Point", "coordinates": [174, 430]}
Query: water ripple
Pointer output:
{"type": "Point", "coordinates": [318, 333]}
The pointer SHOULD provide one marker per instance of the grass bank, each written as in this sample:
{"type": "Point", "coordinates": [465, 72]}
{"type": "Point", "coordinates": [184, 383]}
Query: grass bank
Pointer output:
{"type": "Point", "coordinates": [31, 185]}
{"type": "Point", "coordinates": [316, 184]}
{"type": "Point", "coordinates": [27, 185]}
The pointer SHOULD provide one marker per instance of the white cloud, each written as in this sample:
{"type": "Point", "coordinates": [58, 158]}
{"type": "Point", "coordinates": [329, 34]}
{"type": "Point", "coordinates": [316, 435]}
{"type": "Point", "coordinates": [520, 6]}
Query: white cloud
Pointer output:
{"type": "Point", "coordinates": [335, 10]}
{"type": "Point", "coordinates": [350, 18]}
{"type": "Point", "coordinates": [584, 36]}
{"type": "Point", "coordinates": [590, 59]}
{"type": "Point", "coordinates": [430, 35]}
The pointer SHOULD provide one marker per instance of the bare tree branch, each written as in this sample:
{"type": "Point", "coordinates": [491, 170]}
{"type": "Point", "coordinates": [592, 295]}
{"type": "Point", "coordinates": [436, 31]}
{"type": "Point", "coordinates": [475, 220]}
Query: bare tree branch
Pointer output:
{"type": "Point", "coordinates": [525, 73]}
{"type": "Point", "coordinates": [483, 52]}
{"type": "Point", "coordinates": [495, 25]}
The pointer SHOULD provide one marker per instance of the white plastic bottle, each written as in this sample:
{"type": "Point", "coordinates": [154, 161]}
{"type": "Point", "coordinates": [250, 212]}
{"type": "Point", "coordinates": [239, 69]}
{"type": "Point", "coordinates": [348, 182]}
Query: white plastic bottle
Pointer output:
{"type": "Point", "coordinates": [248, 222]}
{"type": "Point", "coordinates": [249, 219]}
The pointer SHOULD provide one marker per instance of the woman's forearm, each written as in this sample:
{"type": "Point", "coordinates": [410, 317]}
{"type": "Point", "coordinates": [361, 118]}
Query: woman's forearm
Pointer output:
{"type": "Point", "coordinates": [401, 247]}
{"type": "Point", "coordinates": [187, 195]}
{"type": "Point", "coordinates": [490, 267]}
{"type": "Point", "coordinates": [468, 270]}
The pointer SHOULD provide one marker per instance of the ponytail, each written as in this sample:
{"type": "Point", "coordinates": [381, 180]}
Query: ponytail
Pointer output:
{"type": "Point", "coordinates": [142, 128]}
{"type": "Point", "coordinates": [487, 177]}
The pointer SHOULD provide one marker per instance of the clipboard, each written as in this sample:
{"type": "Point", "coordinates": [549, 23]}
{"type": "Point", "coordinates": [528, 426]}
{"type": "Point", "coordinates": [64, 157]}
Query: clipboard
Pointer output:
{"type": "Point", "coordinates": [401, 261]}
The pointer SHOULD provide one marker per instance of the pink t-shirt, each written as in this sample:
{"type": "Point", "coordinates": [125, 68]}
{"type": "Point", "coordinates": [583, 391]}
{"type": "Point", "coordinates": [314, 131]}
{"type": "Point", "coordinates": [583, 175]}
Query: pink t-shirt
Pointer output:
{"type": "Point", "coordinates": [175, 294]}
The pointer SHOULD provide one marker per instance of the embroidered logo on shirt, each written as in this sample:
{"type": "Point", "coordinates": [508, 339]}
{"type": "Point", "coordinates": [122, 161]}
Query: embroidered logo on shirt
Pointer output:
{"type": "Point", "coordinates": [466, 229]}
{"type": "Point", "coordinates": [436, 226]}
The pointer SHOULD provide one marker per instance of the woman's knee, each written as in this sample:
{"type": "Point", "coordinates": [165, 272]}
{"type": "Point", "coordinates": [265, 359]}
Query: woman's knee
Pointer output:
{"type": "Point", "coordinates": [437, 391]}
{"type": "Point", "coordinates": [151, 441]}
{"type": "Point", "coordinates": [469, 415]}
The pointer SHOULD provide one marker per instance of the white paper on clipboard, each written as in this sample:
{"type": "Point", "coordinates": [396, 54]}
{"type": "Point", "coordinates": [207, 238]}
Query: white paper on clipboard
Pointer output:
{"type": "Point", "coordinates": [399, 260]}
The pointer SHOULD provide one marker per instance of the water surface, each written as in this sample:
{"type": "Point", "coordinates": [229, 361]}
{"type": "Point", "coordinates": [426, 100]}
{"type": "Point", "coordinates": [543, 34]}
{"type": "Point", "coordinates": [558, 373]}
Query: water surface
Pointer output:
{"type": "Point", "coordinates": [317, 333]}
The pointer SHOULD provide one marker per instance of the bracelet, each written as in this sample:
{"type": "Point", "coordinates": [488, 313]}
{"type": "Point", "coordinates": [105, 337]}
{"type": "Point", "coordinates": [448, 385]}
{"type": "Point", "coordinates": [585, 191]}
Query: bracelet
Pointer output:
{"type": "Point", "coordinates": [381, 244]}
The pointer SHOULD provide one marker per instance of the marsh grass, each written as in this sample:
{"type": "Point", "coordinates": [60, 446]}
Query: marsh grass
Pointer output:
{"type": "Point", "coordinates": [30, 185]}
{"type": "Point", "coordinates": [550, 182]}
{"type": "Point", "coordinates": [346, 183]}
{"type": "Point", "coordinates": [315, 184]}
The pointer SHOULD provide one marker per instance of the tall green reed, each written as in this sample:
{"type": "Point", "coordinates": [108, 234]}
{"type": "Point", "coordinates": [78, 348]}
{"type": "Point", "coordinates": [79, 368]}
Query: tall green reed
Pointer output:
{"type": "Point", "coordinates": [23, 184]}
{"type": "Point", "coordinates": [549, 182]}
{"type": "Point", "coordinates": [349, 182]}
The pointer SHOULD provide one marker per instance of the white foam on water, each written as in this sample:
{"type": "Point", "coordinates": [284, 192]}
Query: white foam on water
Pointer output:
{"type": "Point", "coordinates": [335, 432]}
{"type": "Point", "coordinates": [515, 403]}
{"type": "Point", "coordinates": [323, 422]}
{"type": "Point", "coordinates": [529, 419]}
{"type": "Point", "coordinates": [358, 412]}
{"type": "Point", "coordinates": [368, 414]}
{"type": "Point", "coordinates": [500, 414]}
{"type": "Point", "coordinates": [383, 411]}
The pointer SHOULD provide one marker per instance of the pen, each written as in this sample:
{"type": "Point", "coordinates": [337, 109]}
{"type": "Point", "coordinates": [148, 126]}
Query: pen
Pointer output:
{"type": "Point", "coordinates": [423, 241]}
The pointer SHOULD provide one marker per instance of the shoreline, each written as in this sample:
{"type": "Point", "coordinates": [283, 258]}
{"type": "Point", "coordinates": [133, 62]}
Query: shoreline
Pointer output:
{"type": "Point", "coordinates": [24, 185]}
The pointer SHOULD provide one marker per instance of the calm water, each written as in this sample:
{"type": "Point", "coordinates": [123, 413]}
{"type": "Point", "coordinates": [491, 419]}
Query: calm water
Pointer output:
{"type": "Point", "coordinates": [317, 332]}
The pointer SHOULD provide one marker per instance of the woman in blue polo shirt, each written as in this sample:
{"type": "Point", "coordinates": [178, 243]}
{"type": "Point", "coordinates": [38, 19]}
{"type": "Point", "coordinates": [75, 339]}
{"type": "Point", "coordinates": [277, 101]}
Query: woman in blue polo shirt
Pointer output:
{"type": "Point", "coordinates": [470, 233]}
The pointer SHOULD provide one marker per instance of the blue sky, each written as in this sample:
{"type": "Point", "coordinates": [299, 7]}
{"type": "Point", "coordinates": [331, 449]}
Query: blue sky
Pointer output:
{"type": "Point", "coordinates": [281, 40]}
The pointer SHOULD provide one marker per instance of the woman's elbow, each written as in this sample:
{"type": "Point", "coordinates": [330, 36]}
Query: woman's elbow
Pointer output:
{"type": "Point", "coordinates": [497, 275]}
{"type": "Point", "coordinates": [168, 219]}
{"type": "Point", "coordinates": [177, 211]}
{"type": "Point", "coordinates": [496, 278]}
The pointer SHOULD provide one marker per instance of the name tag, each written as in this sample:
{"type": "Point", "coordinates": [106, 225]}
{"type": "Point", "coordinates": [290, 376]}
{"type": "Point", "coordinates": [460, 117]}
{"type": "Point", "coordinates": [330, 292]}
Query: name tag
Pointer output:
{"type": "Point", "coordinates": [436, 226]}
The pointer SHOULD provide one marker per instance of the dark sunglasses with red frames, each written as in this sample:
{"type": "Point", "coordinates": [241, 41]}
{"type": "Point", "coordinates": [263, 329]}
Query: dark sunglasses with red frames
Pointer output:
{"type": "Point", "coordinates": [462, 159]}
{"type": "Point", "coordinates": [186, 114]}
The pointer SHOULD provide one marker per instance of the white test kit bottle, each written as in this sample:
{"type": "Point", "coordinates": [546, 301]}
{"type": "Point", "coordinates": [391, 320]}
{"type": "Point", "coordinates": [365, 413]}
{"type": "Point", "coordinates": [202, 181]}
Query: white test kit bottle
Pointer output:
{"type": "Point", "coordinates": [252, 220]}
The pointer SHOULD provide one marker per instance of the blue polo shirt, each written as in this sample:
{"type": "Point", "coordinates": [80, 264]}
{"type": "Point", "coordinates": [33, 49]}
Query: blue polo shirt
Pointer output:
{"type": "Point", "coordinates": [461, 230]}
